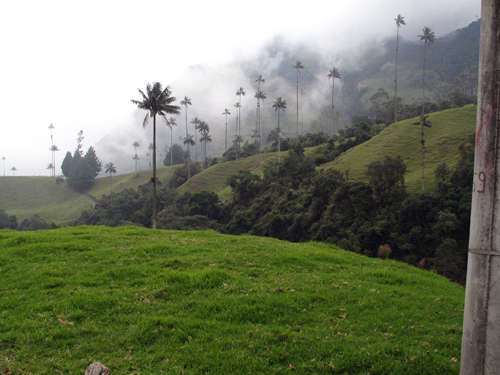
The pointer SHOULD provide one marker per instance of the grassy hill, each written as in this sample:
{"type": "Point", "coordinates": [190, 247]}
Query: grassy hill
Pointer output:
{"type": "Point", "coordinates": [149, 302]}
{"type": "Point", "coordinates": [26, 196]}
{"type": "Point", "coordinates": [56, 202]}
{"type": "Point", "coordinates": [449, 129]}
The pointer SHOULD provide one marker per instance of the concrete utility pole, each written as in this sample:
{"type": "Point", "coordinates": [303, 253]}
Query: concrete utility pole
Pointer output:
{"type": "Point", "coordinates": [481, 334]}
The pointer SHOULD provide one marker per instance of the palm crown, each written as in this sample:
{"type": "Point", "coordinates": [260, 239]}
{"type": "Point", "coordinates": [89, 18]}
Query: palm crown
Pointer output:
{"type": "Point", "coordinates": [428, 36]}
{"type": "Point", "coordinates": [334, 73]}
{"type": "Point", "coordinates": [399, 21]}
{"type": "Point", "coordinates": [157, 101]}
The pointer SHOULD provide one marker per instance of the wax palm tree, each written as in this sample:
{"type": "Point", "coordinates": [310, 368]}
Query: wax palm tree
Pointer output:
{"type": "Point", "coordinates": [226, 112]}
{"type": "Point", "coordinates": [13, 169]}
{"type": "Point", "coordinates": [424, 122]}
{"type": "Point", "coordinates": [111, 169]}
{"type": "Point", "coordinates": [171, 123]}
{"type": "Point", "coordinates": [188, 141]}
{"type": "Point", "coordinates": [238, 106]}
{"type": "Point", "coordinates": [238, 139]}
{"type": "Point", "coordinates": [185, 103]}
{"type": "Point", "coordinates": [50, 167]}
{"type": "Point", "coordinates": [203, 128]}
{"type": "Point", "coordinates": [240, 92]}
{"type": "Point", "coordinates": [258, 95]}
{"type": "Point", "coordinates": [399, 21]}
{"type": "Point", "coordinates": [136, 159]}
{"type": "Point", "coordinates": [428, 38]}
{"type": "Point", "coordinates": [195, 122]}
{"type": "Point", "coordinates": [136, 145]}
{"type": "Point", "coordinates": [278, 105]}
{"type": "Point", "coordinates": [298, 65]}
{"type": "Point", "coordinates": [205, 139]}
{"type": "Point", "coordinates": [54, 148]}
{"type": "Point", "coordinates": [157, 101]}
{"type": "Point", "coordinates": [334, 73]}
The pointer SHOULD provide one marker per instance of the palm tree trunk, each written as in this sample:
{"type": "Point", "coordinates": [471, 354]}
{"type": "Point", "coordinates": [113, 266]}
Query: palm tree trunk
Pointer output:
{"type": "Point", "coordinates": [279, 138]}
{"type": "Point", "coordinates": [423, 86]}
{"type": "Point", "coordinates": [225, 145]}
{"type": "Point", "coordinates": [171, 149]}
{"type": "Point", "coordinates": [111, 180]}
{"type": "Point", "coordinates": [154, 172]}
{"type": "Point", "coordinates": [396, 79]}
{"type": "Point", "coordinates": [297, 103]}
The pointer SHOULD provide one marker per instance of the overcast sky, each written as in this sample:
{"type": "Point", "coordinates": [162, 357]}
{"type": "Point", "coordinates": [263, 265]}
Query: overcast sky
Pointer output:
{"type": "Point", "coordinates": [77, 64]}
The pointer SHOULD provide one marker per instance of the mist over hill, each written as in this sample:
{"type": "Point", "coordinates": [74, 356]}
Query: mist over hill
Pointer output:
{"type": "Point", "coordinates": [212, 88]}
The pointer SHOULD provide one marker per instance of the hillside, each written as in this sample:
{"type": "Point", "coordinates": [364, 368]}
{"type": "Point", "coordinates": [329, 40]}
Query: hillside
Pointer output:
{"type": "Point", "coordinates": [147, 302]}
{"type": "Point", "coordinates": [26, 196]}
{"type": "Point", "coordinates": [56, 202]}
{"type": "Point", "coordinates": [449, 129]}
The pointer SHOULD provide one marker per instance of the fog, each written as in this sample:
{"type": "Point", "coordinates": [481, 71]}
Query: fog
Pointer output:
{"type": "Point", "coordinates": [77, 66]}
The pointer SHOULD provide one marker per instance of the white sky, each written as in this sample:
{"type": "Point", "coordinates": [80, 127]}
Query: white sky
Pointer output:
{"type": "Point", "coordinates": [77, 64]}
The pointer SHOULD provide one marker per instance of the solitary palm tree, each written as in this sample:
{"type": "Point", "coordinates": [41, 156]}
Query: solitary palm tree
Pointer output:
{"type": "Point", "coordinates": [111, 169]}
{"type": "Point", "coordinates": [238, 106]}
{"type": "Point", "coordinates": [157, 101]}
{"type": "Point", "coordinates": [185, 103]}
{"type": "Point", "coordinates": [50, 166]}
{"type": "Point", "coordinates": [334, 73]}
{"type": "Point", "coordinates": [278, 105]}
{"type": "Point", "coordinates": [53, 148]}
{"type": "Point", "coordinates": [260, 96]}
{"type": "Point", "coordinates": [428, 38]}
{"type": "Point", "coordinates": [136, 158]}
{"type": "Point", "coordinates": [424, 122]}
{"type": "Point", "coordinates": [226, 112]}
{"type": "Point", "coordinates": [240, 92]}
{"type": "Point", "coordinates": [135, 145]}
{"type": "Point", "coordinates": [195, 122]}
{"type": "Point", "coordinates": [13, 169]}
{"type": "Point", "coordinates": [298, 65]}
{"type": "Point", "coordinates": [188, 141]}
{"type": "Point", "coordinates": [171, 123]}
{"type": "Point", "coordinates": [399, 21]}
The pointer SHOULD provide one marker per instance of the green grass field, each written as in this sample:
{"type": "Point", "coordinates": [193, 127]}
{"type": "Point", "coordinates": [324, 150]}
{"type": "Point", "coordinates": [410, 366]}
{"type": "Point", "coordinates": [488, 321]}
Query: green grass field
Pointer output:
{"type": "Point", "coordinates": [150, 302]}
{"type": "Point", "coordinates": [449, 129]}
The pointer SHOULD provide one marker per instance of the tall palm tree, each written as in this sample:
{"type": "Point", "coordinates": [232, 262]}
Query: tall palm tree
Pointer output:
{"type": "Point", "coordinates": [171, 123]}
{"type": "Point", "coordinates": [50, 167]}
{"type": "Point", "coordinates": [203, 128]}
{"type": "Point", "coordinates": [278, 105]}
{"type": "Point", "coordinates": [298, 65]}
{"type": "Point", "coordinates": [226, 112]}
{"type": "Point", "coordinates": [428, 38]}
{"type": "Point", "coordinates": [238, 139]}
{"type": "Point", "coordinates": [260, 96]}
{"type": "Point", "coordinates": [334, 73]}
{"type": "Point", "coordinates": [188, 141]}
{"type": "Point", "coordinates": [195, 122]}
{"type": "Point", "coordinates": [238, 106]}
{"type": "Point", "coordinates": [240, 92]}
{"type": "Point", "coordinates": [259, 80]}
{"type": "Point", "coordinates": [136, 158]}
{"type": "Point", "coordinates": [157, 101]}
{"type": "Point", "coordinates": [53, 148]}
{"type": "Point", "coordinates": [399, 21]}
{"type": "Point", "coordinates": [185, 103]}
{"type": "Point", "coordinates": [135, 145]}
{"type": "Point", "coordinates": [111, 169]}
{"type": "Point", "coordinates": [205, 139]}
{"type": "Point", "coordinates": [424, 122]}
{"type": "Point", "coordinates": [13, 169]}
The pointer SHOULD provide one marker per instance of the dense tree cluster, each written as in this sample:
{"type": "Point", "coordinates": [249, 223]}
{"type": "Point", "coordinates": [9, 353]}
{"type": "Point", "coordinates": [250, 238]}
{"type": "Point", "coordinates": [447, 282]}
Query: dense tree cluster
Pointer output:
{"type": "Point", "coordinates": [79, 170]}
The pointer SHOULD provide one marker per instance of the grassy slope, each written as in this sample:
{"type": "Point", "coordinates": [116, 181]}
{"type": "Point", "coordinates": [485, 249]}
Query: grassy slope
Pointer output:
{"type": "Point", "coordinates": [147, 302]}
{"type": "Point", "coordinates": [26, 196]}
{"type": "Point", "coordinates": [449, 129]}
